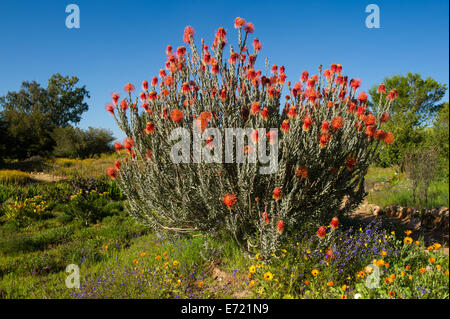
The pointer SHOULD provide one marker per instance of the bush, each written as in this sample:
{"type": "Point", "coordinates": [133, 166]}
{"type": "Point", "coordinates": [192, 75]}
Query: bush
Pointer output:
{"type": "Point", "coordinates": [87, 207]}
{"type": "Point", "coordinates": [329, 137]}
{"type": "Point", "coordinates": [22, 213]}
{"type": "Point", "coordinates": [77, 143]}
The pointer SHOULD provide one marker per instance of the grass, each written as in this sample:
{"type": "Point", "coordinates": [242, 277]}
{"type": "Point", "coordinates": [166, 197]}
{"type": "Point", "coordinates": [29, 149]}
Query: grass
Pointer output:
{"type": "Point", "coordinates": [396, 189]}
{"type": "Point", "coordinates": [14, 177]}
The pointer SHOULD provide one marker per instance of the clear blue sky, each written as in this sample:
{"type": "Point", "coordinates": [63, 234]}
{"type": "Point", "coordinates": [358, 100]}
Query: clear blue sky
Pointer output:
{"type": "Point", "coordinates": [124, 41]}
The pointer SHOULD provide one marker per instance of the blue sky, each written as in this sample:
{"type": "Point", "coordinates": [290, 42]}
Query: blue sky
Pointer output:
{"type": "Point", "coordinates": [124, 41]}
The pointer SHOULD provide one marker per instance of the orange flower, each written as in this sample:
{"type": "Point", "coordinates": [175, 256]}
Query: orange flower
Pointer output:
{"type": "Point", "coordinates": [432, 260]}
{"type": "Point", "coordinates": [330, 283]}
{"type": "Point", "coordinates": [321, 232]}
{"type": "Point", "coordinates": [391, 294]}
{"type": "Point", "coordinates": [301, 172]}
{"type": "Point", "coordinates": [334, 223]}
{"type": "Point", "coordinates": [111, 171]}
{"type": "Point", "coordinates": [277, 194]}
{"type": "Point", "coordinates": [280, 226]}
{"type": "Point", "coordinates": [389, 138]}
{"type": "Point", "coordinates": [188, 34]}
{"type": "Point", "coordinates": [265, 217]}
{"type": "Point", "coordinates": [176, 116]}
{"type": "Point", "coordinates": [337, 123]}
{"type": "Point", "coordinates": [285, 126]}
{"type": "Point", "coordinates": [422, 270]}
{"type": "Point", "coordinates": [229, 200]}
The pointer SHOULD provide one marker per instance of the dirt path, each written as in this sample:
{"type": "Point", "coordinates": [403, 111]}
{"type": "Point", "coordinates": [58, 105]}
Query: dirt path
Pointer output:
{"type": "Point", "coordinates": [43, 177]}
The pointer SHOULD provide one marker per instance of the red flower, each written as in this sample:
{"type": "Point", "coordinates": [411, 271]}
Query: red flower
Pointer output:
{"type": "Point", "coordinates": [111, 171]}
{"type": "Point", "coordinates": [334, 223]}
{"type": "Point", "coordinates": [392, 95]}
{"type": "Point", "coordinates": [110, 108]}
{"type": "Point", "coordinates": [362, 97]}
{"type": "Point", "coordinates": [272, 136]}
{"type": "Point", "coordinates": [384, 118]}
{"type": "Point", "coordinates": [292, 113]}
{"type": "Point", "coordinates": [145, 85]}
{"type": "Point", "coordinates": [229, 200]}
{"type": "Point", "coordinates": [176, 116]}
{"type": "Point", "coordinates": [239, 22]}
{"type": "Point", "coordinates": [129, 88]}
{"type": "Point", "coordinates": [128, 143]}
{"type": "Point", "coordinates": [381, 88]}
{"type": "Point", "coordinates": [265, 113]}
{"type": "Point", "coordinates": [124, 105]}
{"type": "Point", "coordinates": [188, 34]}
{"type": "Point", "coordinates": [185, 89]}
{"type": "Point", "coordinates": [370, 120]}
{"type": "Point", "coordinates": [325, 127]}
{"type": "Point", "coordinates": [321, 232]}
{"type": "Point", "coordinates": [389, 138]}
{"type": "Point", "coordinates": [351, 162]}
{"type": "Point", "coordinates": [306, 124]}
{"type": "Point", "coordinates": [280, 227]}
{"type": "Point", "coordinates": [257, 45]}
{"type": "Point", "coordinates": [150, 128]}
{"type": "Point", "coordinates": [304, 76]}
{"type": "Point", "coordinates": [324, 139]}
{"type": "Point", "coordinates": [117, 146]}
{"type": "Point", "coordinates": [301, 172]}
{"type": "Point", "coordinates": [285, 126]}
{"type": "Point", "coordinates": [355, 83]}
{"type": "Point", "coordinates": [265, 217]}
{"type": "Point", "coordinates": [249, 28]}
{"type": "Point", "coordinates": [154, 81]}
{"type": "Point", "coordinates": [256, 107]}
{"type": "Point", "coordinates": [337, 123]}
{"type": "Point", "coordinates": [254, 136]}
{"type": "Point", "coordinates": [277, 194]}
{"type": "Point", "coordinates": [118, 165]}
{"type": "Point", "coordinates": [115, 97]}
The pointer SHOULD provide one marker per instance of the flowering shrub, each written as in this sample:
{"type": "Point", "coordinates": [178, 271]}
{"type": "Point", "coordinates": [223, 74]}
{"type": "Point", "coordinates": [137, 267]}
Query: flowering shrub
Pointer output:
{"type": "Point", "coordinates": [86, 206]}
{"type": "Point", "coordinates": [22, 213]}
{"type": "Point", "coordinates": [328, 137]}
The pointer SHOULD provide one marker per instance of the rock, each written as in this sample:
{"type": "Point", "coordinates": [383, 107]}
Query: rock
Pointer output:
{"type": "Point", "coordinates": [435, 212]}
{"type": "Point", "coordinates": [388, 211]}
{"type": "Point", "coordinates": [401, 212]}
{"type": "Point", "coordinates": [414, 223]}
{"type": "Point", "coordinates": [409, 212]}
{"type": "Point", "coordinates": [443, 211]}
{"type": "Point", "coordinates": [377, 211]}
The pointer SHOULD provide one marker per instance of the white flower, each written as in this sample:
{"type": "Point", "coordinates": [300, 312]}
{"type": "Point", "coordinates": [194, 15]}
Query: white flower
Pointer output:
{"type": "Point", "coordinates": [357, 296]}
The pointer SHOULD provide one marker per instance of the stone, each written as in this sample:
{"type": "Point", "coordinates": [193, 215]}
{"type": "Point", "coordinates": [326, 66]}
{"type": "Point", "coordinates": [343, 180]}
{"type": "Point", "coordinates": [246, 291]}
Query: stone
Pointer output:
{"type": "Point", "coordinates": [443, 211]}
{"type": "Point", "coordinates": [409, 211]}
{"type": "Point", "coordinates": [377, 211]}
{"type": "Point", "coordinates": [414, 223]}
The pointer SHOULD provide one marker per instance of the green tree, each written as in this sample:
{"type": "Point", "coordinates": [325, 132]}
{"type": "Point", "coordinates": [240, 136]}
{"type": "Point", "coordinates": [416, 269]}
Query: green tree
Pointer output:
{"type": "Point", "coordinates": [77, 143]}
{"type": "Point", "coordinates": [32, 113]}
{"type": "Point", "coordinates": [417, 104]}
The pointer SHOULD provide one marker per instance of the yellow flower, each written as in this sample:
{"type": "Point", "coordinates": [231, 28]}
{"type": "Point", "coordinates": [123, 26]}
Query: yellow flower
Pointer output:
{"type": "Point", "coordinates": [344, 296]}
{"type": "Point", "coordinates": [408, 232]}
{"type": "Point", "coordinates": [308, 251]}
{"type": "Point", "coordinates": [249, 275]}
{"type": "Point", "coordinates": [383, 253]}
{"type": "Point", "coordinates": [438, 267]}
{"type": "Point", "coordinates": [252, 283]}
{"type": "Point", "coordinates": [361, 274]}
{"type": "Point", "coordinates": [106, 247]}
{"type": "Point", "coordinates": [388, 280]}
{"type": "Point", "coordinates": [252, 269]}
{"type": "Point", "coordinates": [315, 272]}
{"type": "Point", "coordinates": [344, 287]}
{"type": "Point", "coordinates": [446, 272]}
{"type": "Point", "coordinates": [143, 254]}
{"type": "Point", "coordinates": [392, 232]}
{"type": "Point", "coordinates": [408, 240]}
{"type": "Point", "coordinates": [437, 246]}
{"type": "Point", "coordinates": [268, 276]}
{"type": "Point", "coordinates": [403, 273]}
{"type": "Point", "coordinates": [135, 261]}
{"type": "Point", "coordinates": [142, 271]}
{"type": "Point", "coordinates": [166, 264]}
{"type": "Point", "coordinates": [410, 277]}
{"type": "Point", "coordinates": [179, 281]}
{"type": "Point", "coordinates": [175, 263]}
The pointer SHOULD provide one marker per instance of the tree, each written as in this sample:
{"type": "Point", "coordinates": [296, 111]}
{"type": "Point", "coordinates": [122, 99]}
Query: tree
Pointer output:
{"type": "Point", "coordinates": [32, 113]}
{"type": "Point", "coordinates": [416, 105]}
{"type": "Point", "coordinates": [77, 143]}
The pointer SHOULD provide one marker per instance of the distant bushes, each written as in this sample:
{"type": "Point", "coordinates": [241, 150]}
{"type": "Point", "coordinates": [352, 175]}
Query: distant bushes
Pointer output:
{"type": "Point", "coordinates": [77, 143]}
{"type": "Point", "coordinates": [14, 177]}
